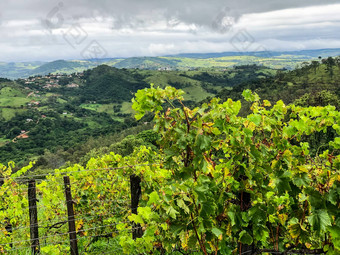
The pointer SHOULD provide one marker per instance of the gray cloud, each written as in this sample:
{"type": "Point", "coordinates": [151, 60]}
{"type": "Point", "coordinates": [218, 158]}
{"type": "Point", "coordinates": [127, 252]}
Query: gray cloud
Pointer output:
{"type": "Point", "coordinates": [189, 11]}
{"type": "Point", "coordinates": [46, 30]}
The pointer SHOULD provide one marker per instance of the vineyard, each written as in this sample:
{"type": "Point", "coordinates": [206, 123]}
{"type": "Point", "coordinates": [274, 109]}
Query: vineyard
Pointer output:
{"type": "Point", "coordinates": [219, 183]}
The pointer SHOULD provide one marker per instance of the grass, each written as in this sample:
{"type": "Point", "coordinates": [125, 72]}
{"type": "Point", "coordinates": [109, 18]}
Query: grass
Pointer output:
{"type": "Point", "coordinates": [108, 108]}
{"type": "Point", "coordinates": [11, 97]}
{"type": "Point", "coordinates": [126, 108]}
{"type": "Point", "coordinates": [14, 102]}
{"type": "Point", "coordinates": [9, 113]}
{"type": "Point", "coordinates": [192, 87]}
{"type": "Point", "coordinates": [61, 101]}
{"type": "Point", "coordinates": [11, 92]}
{"type": "Point", "coordinates": [92, 107]}
{"type": "Point", "coordinates": [287, 61]}
{"type": "Point", "coordinates": [196, 93]}
{"type": "Point", "coordinates": [92, 124]}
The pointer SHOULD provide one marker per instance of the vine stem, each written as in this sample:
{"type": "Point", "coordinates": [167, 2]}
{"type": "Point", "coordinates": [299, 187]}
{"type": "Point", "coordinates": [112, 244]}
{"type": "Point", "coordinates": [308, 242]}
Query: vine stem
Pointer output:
{"type": "Point", "coordinates": [186, 116]}
{"type": "Point", "coordinates": [277, 237]}
{"type": "Point", "coordinates": [197, 236]}
{"type": "Point", "coordinates": [216, 247]}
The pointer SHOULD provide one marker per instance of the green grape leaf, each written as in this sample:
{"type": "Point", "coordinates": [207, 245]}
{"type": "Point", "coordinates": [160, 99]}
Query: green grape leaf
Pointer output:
{"type": "Point", "coordinates": [153, 198]}
{"type": "Point", "coordinates": [136, 218]}
{"type": "Point", "coordinates": [301, 179]}
{"type": "Point", "coordinates": [172, 212]}
{"type": "Point", "coordinates": [319, 220]}
{"type": "Point", "coordinates": [245, 238]}
{"type": "Point", "coordinates": [249, 96]}
{"type": "Point", "coordinates": [182, 205]}
{"type": "Point", "coordinates": [217, 232]}
{"type": "Point", "coordinates": [256, 118]}
{"type": "Point", "coordinates": [203, 142]}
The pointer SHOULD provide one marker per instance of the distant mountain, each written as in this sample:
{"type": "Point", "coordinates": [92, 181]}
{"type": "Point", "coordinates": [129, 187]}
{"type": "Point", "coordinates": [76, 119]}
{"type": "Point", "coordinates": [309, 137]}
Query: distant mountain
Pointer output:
{"type": "Point", "coordinates": [66, 66]}
{"type": "Point", "coordinates": [56, 66]}
{"type": "Point", "coordinates": [147, 62]}
{"type": "Point", "coordinates": [272, 59]}
{"type": "Point", "coordinates": [307, 53]}
{"type": "Point", "coordinates": [23, 70]}
{"type": "Point", "coordinates": [14, 70]}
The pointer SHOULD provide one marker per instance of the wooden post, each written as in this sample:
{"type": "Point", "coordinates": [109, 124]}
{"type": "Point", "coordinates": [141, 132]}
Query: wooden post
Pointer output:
{"type": "Point", "coordinates": [70, 213]}
{"type": "Point", "coordinates": [9, 229]}
{"type": "Point", "coordinates": [136, 192]}
{"type": "Point", "coordinates": [245, 204]}
{"type": "Point", "coordinates": [33, 214]}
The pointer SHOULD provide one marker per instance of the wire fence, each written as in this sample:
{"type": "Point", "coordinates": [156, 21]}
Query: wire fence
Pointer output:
{"type": "Point", "coordinates": [72, 219]}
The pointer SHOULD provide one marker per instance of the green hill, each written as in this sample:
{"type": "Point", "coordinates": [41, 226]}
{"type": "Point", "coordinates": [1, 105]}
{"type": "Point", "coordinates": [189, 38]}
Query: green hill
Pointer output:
{"type": "Point", "coordinates": [106, 84]}
{"type": "Point", "coordinates": [274, 59]}
{"type": "Point", "coordinates": [147, 63]}
{"type": "Point", "coordinates": [316, 83]}
{"type": "Point", "coordinates": [64, 112]}
{"type": "Point", "coordinates": [58, 65]}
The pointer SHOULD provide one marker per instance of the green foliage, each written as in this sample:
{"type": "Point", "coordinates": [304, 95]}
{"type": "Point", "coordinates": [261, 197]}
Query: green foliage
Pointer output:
{"type": "Point", "coordinates": [322, 98]}
{"type": "Point", "coordinates": [217, 158]}
{"type": "Point", "coordinates": [98, 107]}
{"type": "Point", "coordinates": [308, 85]}
{"type": "Point", "coordinates": [218, 182]}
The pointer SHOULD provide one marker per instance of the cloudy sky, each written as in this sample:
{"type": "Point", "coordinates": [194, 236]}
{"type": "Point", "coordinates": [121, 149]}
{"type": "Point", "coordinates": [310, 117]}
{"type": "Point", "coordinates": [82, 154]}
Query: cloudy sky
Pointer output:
{"type": "Point", "coordinates": [75, 29]}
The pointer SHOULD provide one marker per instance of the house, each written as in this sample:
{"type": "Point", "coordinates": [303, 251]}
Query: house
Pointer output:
{"type": "Point", "coordinates": [22, 136]}
{"type": "Point", "coordinates": [72, 85]}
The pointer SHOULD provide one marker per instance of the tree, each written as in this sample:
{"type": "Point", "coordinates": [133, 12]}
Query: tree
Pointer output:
{"type": "Point", "coordinates": [15, 131]}
{"type": "Point", "coordinates": [329, 62]}
{"type": "Point", "coordinates": [315, 64]}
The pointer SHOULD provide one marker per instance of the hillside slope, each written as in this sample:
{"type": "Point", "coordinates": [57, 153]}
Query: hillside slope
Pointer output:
{"type": "Point", "coordinates": [316, 83]}
{"type": "Point", "coordinates": [51, 114]}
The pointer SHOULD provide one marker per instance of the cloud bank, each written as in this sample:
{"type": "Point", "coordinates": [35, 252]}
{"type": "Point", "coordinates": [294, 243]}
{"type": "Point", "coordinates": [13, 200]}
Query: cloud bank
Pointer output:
{"type": "Point", "coordinates": [49, 30]}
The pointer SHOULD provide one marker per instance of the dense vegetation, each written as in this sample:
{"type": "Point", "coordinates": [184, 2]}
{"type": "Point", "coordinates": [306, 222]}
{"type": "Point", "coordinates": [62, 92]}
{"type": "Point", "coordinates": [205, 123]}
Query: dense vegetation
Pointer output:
{"type": "Point", "coordinates": [62, 115]}
{"type": "Point", "coordinates": [99, 104]}
{"type": "Point", "coordinates": [218, 183]}
{"type": "Point", "coordinates": [59, 113]}
{"type": "Point", "coordinates": [315, 83]}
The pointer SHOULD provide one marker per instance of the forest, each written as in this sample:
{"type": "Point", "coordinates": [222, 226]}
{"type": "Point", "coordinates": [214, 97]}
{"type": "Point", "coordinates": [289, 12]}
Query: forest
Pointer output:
{"type": "Point", "coordinates": [64, 113]}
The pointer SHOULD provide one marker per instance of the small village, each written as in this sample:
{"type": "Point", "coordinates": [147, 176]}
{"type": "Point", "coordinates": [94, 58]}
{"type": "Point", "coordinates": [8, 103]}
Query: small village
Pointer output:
{"type": "Point", "coordinates": [40, 92]}
{"type": "Point", "coordinates": [39, 85]}
{"type": "Point", "coordinates": [50, 81]}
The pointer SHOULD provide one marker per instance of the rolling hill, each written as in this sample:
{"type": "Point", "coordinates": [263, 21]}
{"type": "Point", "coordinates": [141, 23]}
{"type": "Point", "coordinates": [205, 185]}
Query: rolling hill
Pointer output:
{"type": "Point", "coordinates": [62, 112]}
{"type": "Point", "coordinates": [46, 114]}
{"type": "Point", "coordinates": [273, 59]}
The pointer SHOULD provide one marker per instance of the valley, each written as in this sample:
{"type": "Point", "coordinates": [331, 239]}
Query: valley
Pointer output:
{"type": "Point", "coordinates": [63, 112]}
